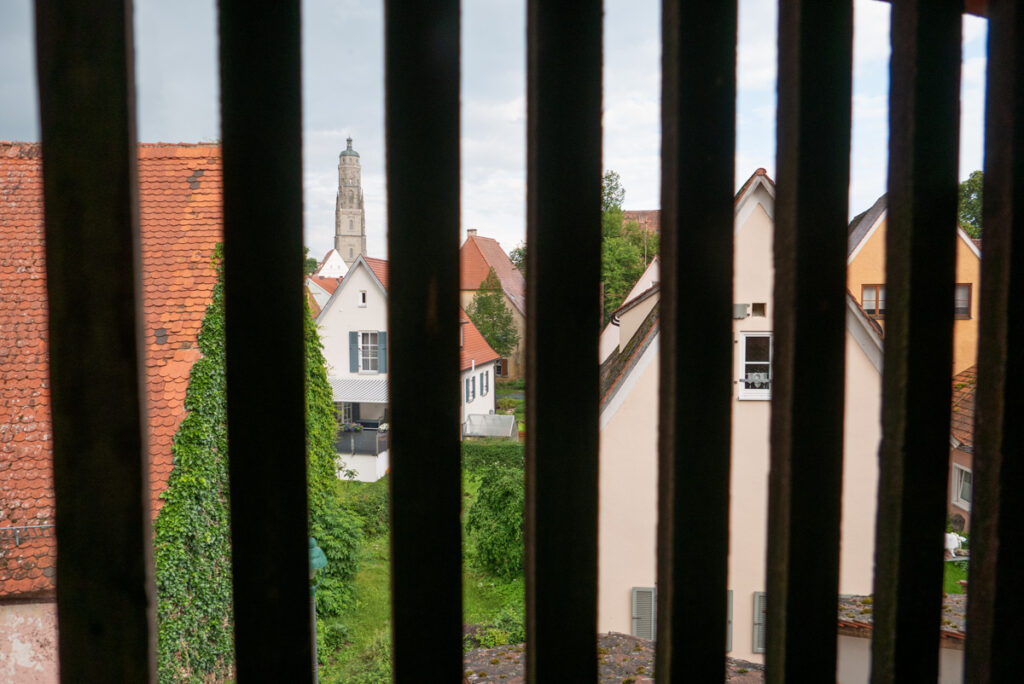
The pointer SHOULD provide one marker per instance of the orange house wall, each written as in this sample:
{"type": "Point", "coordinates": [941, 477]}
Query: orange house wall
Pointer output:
{"type": "Point", "coordinates": [868, 268]}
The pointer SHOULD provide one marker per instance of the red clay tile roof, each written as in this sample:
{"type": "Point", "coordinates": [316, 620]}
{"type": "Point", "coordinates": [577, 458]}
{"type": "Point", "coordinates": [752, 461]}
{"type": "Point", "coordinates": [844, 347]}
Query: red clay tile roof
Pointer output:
{"type": "Point", "coordinates": [962, 411]}
{"type": "Point", "coordinates": [379, 268]}
{"type": "Point", "coordinates": [180, 219]}
{"type": "Point", "coordinates": [648, 219]}
{"type": "Point", "coordinates": [314, 308]}
{"type": "Point", "coordinates": [474, 347]}
{"type": "Point", "coordinates": [329, 284]}
{"type": "Point", "coordinates": [477, 256]}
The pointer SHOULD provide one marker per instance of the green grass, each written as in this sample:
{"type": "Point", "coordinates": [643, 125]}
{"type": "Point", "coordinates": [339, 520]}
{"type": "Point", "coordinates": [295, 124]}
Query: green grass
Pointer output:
{"type": "Point", "coordinates": [953, 574]}
{"type": "Point", "coordinates": [370, 614]}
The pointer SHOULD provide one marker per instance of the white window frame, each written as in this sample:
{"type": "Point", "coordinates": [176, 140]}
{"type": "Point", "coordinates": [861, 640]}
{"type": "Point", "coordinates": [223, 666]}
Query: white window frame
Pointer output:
{"type": "Point", "coordinates": [957, 481]}
{"type": "Point", "coordinates": [372, 362]}
{"type": "Point", "coordinates": [751, 393]}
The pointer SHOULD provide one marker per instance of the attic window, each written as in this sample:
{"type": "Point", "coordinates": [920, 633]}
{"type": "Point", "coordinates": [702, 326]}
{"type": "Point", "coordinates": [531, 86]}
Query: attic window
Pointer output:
{"type": "Point", "coordinates": [758, 309]}
{"type": "Point", "coordinates": [362, 298]}
{"type": "Point", "coordinates": [873, 300]}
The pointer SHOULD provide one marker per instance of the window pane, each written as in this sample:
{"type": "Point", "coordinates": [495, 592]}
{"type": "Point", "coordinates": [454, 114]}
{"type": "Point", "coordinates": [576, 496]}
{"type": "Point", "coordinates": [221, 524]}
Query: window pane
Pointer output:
{"type": "Point", "coordinates": [757, 376]}
{"type": "Point", "coordinates": [881, 299]}
{"type": "Point", "coordinates": [869, 299]}
{"type": "Point", "coordinates": [758, 349]}
{"type": "Point", "coordinates": [966, 480]}
{"type": "Point", "coordinates": [963, 300]}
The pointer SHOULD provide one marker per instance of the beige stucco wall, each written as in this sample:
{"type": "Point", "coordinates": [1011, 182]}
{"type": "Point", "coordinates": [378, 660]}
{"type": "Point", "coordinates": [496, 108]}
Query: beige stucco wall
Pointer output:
{"type": "Point", "coordinates": [854, 662]}
{"type": "Point", "coordinates": [628, 463]}
{"type": "Point", "coordinates": [516, 365]}
{"type": "Point", "coordinates": [868, 268]}
{"type": "Point", "coordinates": [628, 486]}
{"type": "Point", "coordinates": [28, 643]}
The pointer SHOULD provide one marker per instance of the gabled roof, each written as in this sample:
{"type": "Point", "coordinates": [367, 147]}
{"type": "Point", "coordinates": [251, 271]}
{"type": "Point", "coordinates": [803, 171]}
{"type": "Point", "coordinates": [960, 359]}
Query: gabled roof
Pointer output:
{"type": "Point", "coordinates": [329, 285]}
{"type": "Point", "coordinates": [331, 266]}
{"type": "Point", "coordinates": [474, 349]}
{"type": "Point", "coordinates": [378, 270]}
{"type": "Point", "coordinates": [180, 210]}
{"type": "Point", "coordinates": [962, 408]}
{"type": "Point", "coordinates": [864, 224]}
{"type": "Point", "coordinates": [480, 254]}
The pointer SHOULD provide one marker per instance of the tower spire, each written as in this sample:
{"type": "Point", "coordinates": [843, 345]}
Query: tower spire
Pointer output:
{"type": "Point", "coordinates": [349, 215]}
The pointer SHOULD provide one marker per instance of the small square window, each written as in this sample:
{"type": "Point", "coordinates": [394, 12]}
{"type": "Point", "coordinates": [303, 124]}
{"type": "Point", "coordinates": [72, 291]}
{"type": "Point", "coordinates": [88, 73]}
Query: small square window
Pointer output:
{"type": "Point", "coordinates": [758, 309]}
{"type": "Point", "coordinates": [962, 301]}
{"type": "Point", "coordinates": [873, 300]}
{"type": "Point", "coordinates": [756, 365]}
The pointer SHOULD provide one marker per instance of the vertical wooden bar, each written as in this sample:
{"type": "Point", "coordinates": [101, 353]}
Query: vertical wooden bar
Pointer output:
{"type": "Point", "coordinates": [104, 563]}
{"type": "Point", "coordinates": [422, 119]}
{"type": "Point", "coordinates": [698, 148]}
{"type": "Point", "coordinates": [261, 122]}
{"type": "Point", "coordinates": [563, 319]}
{"type": "Point", "coordinates": [995, 630]}
{"type": "Point", "coordinates": [805, 481]}
{"type": "Point", "coordinates": [920, 260]}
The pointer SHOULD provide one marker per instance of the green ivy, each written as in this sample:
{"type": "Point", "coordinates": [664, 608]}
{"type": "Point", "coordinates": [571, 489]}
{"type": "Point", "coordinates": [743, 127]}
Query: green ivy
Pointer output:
{"type": "Point", "coordinates": [495, 523]}
{"type": "Point", "coordinates": [336, 529]}
{"type": "Point", "coordinates": [192, 531]}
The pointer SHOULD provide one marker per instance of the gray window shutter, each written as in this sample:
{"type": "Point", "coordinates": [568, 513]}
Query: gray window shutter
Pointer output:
{"type": "Point", "coordinates": [353, 352]}
{"type": "Point", "coordinates": [760, 620]}
{"type": "Point", "coordinates": [645, 602]}
{"type": "Point", "coordinates": [728, 622]}
{"type": "Point", "coordinates": [382, 351]}
{"type": "Point", "coordinates": [466, 393]}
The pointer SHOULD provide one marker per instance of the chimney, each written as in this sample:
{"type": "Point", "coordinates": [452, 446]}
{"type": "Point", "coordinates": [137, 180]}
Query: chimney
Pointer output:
{"type": "Point", "coordinates": [471, 232]}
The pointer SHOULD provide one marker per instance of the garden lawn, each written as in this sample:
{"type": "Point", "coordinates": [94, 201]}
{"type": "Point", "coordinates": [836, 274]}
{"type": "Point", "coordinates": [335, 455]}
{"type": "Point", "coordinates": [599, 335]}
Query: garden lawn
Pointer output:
{"type": "Point", "coordinates": [954, 572]}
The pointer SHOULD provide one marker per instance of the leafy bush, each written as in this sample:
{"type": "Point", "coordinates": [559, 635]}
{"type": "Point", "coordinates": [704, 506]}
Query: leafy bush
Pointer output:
{"type": "Point", "coordinates": [480, 456]}
{"type": "Point", "coordinates": [330, 636]}
{"type": "Point", "coordinates": [506, 404]}
{"type": "Point", "coordinates": [495, 523]}
{"type": "Point", "coordinates": [371, 502]}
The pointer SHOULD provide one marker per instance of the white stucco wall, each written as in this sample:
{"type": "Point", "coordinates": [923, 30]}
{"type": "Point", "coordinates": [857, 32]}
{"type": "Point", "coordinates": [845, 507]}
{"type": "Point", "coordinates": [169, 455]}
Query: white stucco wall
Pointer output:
{"type": "Point", "coordinates": [344, 314]}
{"type": "Point", "coordinates": [368, 468]}
{"type": "Point", "coordinates": [482, 403]}
{"type": "Point", "coordinates": [28, 643]}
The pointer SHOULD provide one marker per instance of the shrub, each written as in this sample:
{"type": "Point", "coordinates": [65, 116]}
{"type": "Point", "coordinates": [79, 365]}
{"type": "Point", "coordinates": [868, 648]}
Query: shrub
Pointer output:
{"type": "Point", "coordinates": [371, 502]}
{"type": "Point", "coordinates": [480, 456]}
{"type": "Point", "coordinates": [495, 523]}
{"type": "Point", "coordinates": [506, 404]}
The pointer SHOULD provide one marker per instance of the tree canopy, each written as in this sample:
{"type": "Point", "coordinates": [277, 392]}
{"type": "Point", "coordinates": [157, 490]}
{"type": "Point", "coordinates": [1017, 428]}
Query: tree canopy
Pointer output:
{"type": "Point", "coordinates": [492, 317]}
{"type": "Point", "coordinates": [518, 257]}
{"type": "Point", "coordinates": [626, 248]}
{"type": "Point", "coordinates": [969, 206]}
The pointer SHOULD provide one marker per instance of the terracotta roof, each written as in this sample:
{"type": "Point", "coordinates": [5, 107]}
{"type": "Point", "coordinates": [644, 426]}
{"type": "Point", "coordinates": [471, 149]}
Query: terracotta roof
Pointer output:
{"type": "Point", "coordinates": [314, 308]}
{"type": "Point", "coordinates": [474, 347]}
{"type": "Point", "coordinates": [329, 284]}
{"type": "Point", "coordinates": [180, 218]}
{"type": "Point", "coordinates": [962, 407]}
{"type": "Point", "coordinates": [648, 219]}
{"type": "Point", "coordinates": [379, 268]}
{"type": "Point", "coordinates": [477, 256]}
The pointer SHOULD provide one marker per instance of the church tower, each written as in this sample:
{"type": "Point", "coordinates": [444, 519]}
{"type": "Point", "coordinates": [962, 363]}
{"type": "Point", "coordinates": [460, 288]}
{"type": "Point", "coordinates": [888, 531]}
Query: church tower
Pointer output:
{"type": "Point", "coordinates": [349, 216]}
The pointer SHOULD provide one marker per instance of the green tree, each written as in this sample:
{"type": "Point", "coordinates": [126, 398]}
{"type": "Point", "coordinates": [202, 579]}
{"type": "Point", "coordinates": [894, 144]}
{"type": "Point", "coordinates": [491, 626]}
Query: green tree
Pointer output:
{"type": "Point", "coordinates": [969, 206]}
{"type": "Point", "coordinates": [192, 530]}
{"type": "Point", "coordinates": [309, 263]}
{"type": "Point", "coordinates": [518, 257]}
{"type": "Point", "coordinates": [626, 249]}
{"type": "Point", "coordinates": [492, 317]}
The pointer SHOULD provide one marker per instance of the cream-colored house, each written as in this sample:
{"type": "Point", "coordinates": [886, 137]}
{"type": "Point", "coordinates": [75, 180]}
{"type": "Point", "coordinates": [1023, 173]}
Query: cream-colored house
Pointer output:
{"type": "Point", "coordinates": [865, 279]}
{"type": "Point", "coordinates": [629, 429]}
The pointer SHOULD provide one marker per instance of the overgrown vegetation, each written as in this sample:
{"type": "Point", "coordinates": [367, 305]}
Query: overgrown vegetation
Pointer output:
{"type": "Point", "coordinates": [969, 204]}
{"type": "Point", "coordinates": [192, 532]}
{"type": "Point", "coordinates": [495, 523]}
{"type": "Point", "coordinates": [493, 604]}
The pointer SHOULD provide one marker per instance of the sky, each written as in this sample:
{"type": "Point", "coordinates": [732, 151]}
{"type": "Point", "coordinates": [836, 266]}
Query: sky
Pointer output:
{"type": "Point", "coordinates": [343, 95]}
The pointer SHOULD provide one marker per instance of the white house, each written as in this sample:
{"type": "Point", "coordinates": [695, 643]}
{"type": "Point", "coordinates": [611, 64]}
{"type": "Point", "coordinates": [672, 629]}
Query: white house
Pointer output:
{"type": "Point", "coordinates": [322, 282]}
{"type": "Point", "coordinates": [353, 329]}
{"type": "Point", "coordinates": [628, 469]}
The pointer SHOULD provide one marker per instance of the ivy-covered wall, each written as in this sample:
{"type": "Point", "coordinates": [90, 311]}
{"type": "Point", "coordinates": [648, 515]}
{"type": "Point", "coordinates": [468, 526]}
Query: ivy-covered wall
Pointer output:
{"type": "Point", "coordinates": [192, 530]}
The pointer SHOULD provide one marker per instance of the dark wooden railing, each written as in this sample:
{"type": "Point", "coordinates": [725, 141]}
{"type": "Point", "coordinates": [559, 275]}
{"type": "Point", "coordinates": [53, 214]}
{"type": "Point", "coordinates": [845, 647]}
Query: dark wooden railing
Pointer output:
{"type": "Point", "coordinates": [88, 135]}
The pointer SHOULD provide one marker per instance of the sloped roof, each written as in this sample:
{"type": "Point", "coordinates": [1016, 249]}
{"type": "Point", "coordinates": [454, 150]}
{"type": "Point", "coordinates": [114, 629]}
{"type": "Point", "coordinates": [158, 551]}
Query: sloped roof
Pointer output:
{"type": "Point", "coordinates": [328, 284]}
{"type": "Point", "coordinates": [180, 212]}
{"type": "Point", "coordinates": [862, 222]}
{"type": "Point", "coordinates": [622, 361]}
{"type": "Point", "coordinates": [649, 220]}
{"type": "Point", "coordinates": [474, 347]}
{"type": "Point", "coordinates": [962, 407]}
{"type": "Point", "coordinates": [314, 308]}
{"type": "Point", "coordinates": [379, 268]}
{"type": "Point", "coordinates": [480, 254]}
